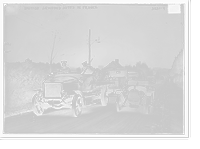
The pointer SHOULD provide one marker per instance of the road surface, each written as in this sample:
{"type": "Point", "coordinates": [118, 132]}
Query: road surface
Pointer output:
{"type": "Point", "coordinates": [95, 119]}
{"type": "Point", "coordinates": [176, 108]}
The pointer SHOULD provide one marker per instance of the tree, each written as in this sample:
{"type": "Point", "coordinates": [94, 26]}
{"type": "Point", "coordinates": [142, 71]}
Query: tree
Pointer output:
{"type": "Point", "coordinates": [128, 67]}
{"type": "Point", "coordinates": [177, 66]}
{"type": "Point", "coordinates": [150, 72]}
{"type": "Point", "coordinates": [143, 67]}
{"type": "Point", "coordinates": [177, 70]}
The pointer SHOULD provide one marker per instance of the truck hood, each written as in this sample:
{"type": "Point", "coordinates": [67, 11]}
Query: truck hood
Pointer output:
{"type": "Point", "coordinates": [64, 78]}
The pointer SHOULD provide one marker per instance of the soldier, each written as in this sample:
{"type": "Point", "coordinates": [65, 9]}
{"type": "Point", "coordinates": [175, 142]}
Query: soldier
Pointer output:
{"type": "Point", "coordinates": [64, 68]}
{"type": "Point", "coordinates": [86, 69]}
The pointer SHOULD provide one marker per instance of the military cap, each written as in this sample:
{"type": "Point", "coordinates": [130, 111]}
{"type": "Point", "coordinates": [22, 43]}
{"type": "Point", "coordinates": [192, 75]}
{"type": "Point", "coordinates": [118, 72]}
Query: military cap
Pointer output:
{"type": "Point", "coordinates": [84, 62]}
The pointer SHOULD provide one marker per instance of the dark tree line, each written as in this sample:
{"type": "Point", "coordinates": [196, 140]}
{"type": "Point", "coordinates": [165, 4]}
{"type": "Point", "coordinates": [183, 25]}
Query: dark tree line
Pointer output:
{"type": "Point", "coordinates": [142, 66]}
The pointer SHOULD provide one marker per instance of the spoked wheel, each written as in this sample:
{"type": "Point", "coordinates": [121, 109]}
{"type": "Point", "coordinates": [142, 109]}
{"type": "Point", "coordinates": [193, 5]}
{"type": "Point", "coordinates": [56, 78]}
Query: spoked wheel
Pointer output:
{"type": "Point", "coordinates": [104, 98]}
{"type": "Point", "coordinates": [120, 102]}
{"type": "Point", "coordinates": [77, 106]}
{"type": "Point", "coordinates": [37, 105]}
{"type": "Point", "coordinates": [147, 105]}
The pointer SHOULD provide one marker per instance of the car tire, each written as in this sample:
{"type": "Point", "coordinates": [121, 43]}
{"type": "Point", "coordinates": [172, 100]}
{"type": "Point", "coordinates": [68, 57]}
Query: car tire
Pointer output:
{"type": "Point", "coordinates": [38, 110]}
{"type": "Point", "coordinates": [119, 103]}
{"type": "Point", "coordinates": [77, 106]}
{"type": "Point", "coordinates": [104, 98]}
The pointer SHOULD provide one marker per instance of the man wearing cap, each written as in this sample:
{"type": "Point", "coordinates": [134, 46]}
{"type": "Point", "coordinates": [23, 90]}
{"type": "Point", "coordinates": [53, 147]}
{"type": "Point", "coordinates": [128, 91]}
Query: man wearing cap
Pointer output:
{"type": "Point", "coordinates": [86, 69]}
{"type": "Point", "coordinates": [64, 68]}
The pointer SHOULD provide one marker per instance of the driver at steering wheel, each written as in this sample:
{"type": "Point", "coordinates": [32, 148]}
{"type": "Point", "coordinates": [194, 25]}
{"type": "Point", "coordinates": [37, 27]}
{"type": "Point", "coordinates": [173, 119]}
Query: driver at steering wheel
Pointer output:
{"type": "Point", "coordinates": [86, 69]}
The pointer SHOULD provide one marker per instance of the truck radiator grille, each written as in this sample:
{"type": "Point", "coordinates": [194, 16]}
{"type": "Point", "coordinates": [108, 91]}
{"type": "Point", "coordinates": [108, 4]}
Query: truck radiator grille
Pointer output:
{"type": "Point", "coordinates": [52, 89]}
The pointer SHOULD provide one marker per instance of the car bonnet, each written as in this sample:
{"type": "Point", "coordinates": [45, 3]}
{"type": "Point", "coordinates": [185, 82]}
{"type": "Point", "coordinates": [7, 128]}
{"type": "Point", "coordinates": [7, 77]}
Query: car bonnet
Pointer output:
{"type": "Point", "coordinates": [65, 78]}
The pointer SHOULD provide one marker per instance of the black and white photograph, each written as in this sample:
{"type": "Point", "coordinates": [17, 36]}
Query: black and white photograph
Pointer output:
{"type": "Point", "coordinates": [95, 70]}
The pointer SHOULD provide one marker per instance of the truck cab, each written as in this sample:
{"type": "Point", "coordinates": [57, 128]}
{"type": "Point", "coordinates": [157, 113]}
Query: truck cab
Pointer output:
{"type": "Point", "coordinates": [120, 79]}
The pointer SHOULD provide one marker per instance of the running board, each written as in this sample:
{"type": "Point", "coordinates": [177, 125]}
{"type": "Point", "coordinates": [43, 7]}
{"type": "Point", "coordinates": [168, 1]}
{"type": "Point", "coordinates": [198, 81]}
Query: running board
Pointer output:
{"type": "Point", "coordinates": [91, 103]}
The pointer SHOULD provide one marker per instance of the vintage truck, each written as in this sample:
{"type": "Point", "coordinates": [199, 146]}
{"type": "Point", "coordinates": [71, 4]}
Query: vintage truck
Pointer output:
{"type": "Point", "coordinates": [119, 78]}
{"type": "Point", "coordinates": [117, 83]}
{"type": "Point", "coordinates": [71, 91]}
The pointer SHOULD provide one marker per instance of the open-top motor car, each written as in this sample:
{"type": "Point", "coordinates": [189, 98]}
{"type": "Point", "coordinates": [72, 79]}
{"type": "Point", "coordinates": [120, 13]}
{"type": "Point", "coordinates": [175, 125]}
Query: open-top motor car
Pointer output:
{"type": "Point", "coordinates": [139, 95]}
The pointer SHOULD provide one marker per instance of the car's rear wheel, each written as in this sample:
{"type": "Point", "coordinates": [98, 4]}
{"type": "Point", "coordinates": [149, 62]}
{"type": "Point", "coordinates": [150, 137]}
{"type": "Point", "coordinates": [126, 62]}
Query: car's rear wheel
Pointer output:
{"type": "Point", "coordinates": [104, 98]}
{"type": "Point", "coordinates": [37, 105]}
{"type": "Point", "coordinates": [77, 106]}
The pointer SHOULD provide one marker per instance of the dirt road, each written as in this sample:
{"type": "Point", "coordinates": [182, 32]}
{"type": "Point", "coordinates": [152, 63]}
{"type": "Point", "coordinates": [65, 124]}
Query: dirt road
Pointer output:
{"type": "Point", "coordinates": [94, 119]}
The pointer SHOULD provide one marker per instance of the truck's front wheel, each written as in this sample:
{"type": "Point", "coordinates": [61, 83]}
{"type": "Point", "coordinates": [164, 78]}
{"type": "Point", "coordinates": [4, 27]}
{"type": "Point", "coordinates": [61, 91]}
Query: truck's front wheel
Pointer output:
{"type": "Point", "coordinates": [77, 106]}
{"type": "Point", "coordinates": [37, 105]}
{"type": "Point", "coordinates": [104, 98]}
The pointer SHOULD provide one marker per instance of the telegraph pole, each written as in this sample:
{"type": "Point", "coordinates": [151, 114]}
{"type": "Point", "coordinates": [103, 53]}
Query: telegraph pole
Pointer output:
{"type": "Point", "coordinates": [51, 58]}
{"type": "Point", "coordinates": [89, 44]}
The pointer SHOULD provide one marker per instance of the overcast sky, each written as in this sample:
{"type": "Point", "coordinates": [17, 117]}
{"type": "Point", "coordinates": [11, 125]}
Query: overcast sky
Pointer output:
{"type": "Point", "coordinates": [130, 33]}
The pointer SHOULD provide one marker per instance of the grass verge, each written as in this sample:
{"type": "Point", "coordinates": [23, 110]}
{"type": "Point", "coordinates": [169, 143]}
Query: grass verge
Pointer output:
{"type": "Point", "coordinates": [16, 109]}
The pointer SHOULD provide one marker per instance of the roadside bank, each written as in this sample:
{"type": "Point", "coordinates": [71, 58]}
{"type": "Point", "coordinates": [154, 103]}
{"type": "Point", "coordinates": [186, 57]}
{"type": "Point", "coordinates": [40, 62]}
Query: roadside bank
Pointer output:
{"type": "Point", "coordinates": [176, 103]}
{"type": "Point", "coordinates": [171, 111]}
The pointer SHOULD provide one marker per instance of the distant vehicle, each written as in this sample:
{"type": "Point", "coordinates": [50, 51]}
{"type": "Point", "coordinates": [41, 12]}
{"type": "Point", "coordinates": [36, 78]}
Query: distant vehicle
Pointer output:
{"type": "Point", "coordinates": [119, 78]}
{"type": "Point", "coordinates": [130, 92]}
{"type": "Point", "coordinates": [151, 78]}
{"type": "Point", "coordinates": [116, 74]}
{"type": "Point", "coordinates": [73, 91]}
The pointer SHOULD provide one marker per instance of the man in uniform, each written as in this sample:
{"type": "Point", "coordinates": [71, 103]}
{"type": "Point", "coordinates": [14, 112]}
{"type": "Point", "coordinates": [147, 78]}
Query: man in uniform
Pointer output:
{"type": "Point", "coordinates": [64, 68]}
{"type": "Point", "coordinates": [86, 69]}
{"type": "Point", "coordinates": [88, 82]}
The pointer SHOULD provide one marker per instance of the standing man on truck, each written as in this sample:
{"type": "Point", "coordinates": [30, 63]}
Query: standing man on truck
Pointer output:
{"type": "Point", "coordinates": [86, 69]}
{"type": "Point", "coordinates": [64, 68]}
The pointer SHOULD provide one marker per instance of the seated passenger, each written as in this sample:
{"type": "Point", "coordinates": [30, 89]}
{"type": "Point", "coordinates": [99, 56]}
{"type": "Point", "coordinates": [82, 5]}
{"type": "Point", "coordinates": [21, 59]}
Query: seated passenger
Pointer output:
{"type": "Point", "coordinates": [64, 68]}
{"type": "Point", "coordinates": [86, 69]}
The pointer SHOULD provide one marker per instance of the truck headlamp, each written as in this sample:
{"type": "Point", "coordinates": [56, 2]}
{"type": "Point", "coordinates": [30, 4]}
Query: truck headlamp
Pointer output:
{"type": "Point", "coordinates": [39, 92]}
{"type": "Point", "coordinates": [62, 93]}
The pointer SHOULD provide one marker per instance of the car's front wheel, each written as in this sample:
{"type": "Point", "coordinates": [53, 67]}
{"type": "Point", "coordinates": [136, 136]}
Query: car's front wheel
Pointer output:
{"type": "Point", "coordinates": [77, 106]}
{"type": "Point", "coordinates": [120, 102]}
{"type": "Point", "coordinates": [37, 105]}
